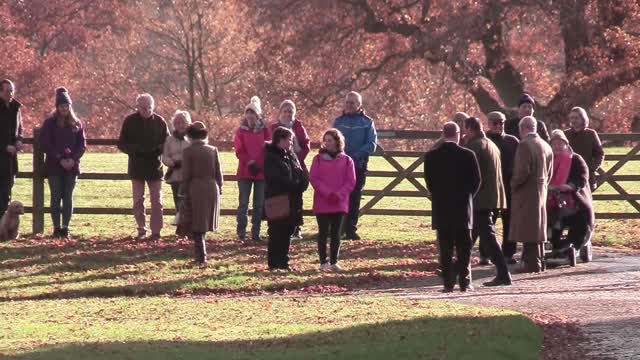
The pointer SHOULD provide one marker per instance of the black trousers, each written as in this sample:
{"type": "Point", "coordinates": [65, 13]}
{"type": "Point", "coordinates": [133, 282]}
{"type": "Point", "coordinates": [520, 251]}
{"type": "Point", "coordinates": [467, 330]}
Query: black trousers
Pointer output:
{"type": "Point", "coordinates": [509, 248]}
{"type": "Point", "coordinates": [460, 239]}
{"type": "Point", "coordinates": [6, 184]}
{"type": "Point", "coordinates": [329, 226]}
{"type": "Point", "coordinates": [351, 220]}
{"type": "Point", "coordinates": [578, 231]}
{"type": "Point", "coordinates": [484, 227]}
{"type": "Point", "coordinates": [279, 242]}
{"type": "Point", "coordinates": [200, 246]}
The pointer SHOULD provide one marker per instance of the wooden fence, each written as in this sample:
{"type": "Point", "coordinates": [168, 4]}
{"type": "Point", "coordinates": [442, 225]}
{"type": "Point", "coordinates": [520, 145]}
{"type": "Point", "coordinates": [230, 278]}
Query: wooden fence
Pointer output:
{"type": "Point", "coordinates": [412, 173]}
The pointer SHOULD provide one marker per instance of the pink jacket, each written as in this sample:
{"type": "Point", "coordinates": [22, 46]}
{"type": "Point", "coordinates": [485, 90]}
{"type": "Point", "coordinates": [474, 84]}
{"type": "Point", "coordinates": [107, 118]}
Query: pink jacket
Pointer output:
{"type": "Point", "coordinates": [329, 176]}
{"type": "Point", "coordinates": [249, 145]}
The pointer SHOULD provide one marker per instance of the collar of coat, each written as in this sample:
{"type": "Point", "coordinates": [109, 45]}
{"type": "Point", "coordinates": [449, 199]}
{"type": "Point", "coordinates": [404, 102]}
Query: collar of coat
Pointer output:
{"type": "Point", "coordinates": [11, 104]}
{"type": "Point", "coordinates": [257, 128]}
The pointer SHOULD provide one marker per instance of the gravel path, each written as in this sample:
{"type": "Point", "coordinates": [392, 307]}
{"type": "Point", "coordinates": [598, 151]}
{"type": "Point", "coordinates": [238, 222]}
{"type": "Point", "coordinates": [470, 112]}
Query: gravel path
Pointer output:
{"type": "Point", "coordinates": [601, 297]}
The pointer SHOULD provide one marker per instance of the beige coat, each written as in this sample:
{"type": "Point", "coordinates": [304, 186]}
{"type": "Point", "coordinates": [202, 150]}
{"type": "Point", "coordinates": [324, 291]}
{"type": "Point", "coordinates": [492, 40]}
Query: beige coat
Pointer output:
{"type": "Point", "coordinates": [202, 185]}
{"type": "Point", "coordinates": [532, 171]}
{"type": "Point", "coordinates": [171, 154]}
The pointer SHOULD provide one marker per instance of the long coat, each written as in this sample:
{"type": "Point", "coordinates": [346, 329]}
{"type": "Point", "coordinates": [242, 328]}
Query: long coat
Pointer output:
{"type": "Point", "coordinates": [579, 178]}
{"type": "Point", "coordinates": [284, 175]}
{"type": "Point", "coordinates": [202, 184]}
{"type": "Point", "coordinates": [453, 178]}
{"type": "Point", "coordinates": [172, 155]}
{"type": "Point", "coordinates": [10, 134]}
{"type": "Point", "coordinates": [529, 184]}
{"type": "Point", "coordinates": [491, 195]}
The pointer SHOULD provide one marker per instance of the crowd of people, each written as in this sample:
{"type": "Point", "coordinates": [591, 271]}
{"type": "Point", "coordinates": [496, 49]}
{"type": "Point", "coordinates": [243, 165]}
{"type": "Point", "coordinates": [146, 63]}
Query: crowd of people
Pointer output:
{"type": "Point", "coordinates": [515, 172]}
{"type": "Point", "coordinates": [538, 184]}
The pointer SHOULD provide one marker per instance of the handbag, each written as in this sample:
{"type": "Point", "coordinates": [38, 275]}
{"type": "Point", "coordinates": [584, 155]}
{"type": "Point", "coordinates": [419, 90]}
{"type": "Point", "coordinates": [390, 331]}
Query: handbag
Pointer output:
{"type": "Point", "coordinates": [277, 208]}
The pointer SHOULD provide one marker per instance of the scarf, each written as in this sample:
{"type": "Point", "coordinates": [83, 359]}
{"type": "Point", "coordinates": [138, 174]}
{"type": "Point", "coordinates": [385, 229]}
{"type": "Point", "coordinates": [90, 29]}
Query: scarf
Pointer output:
{"type": "Point", "coordinates": [258, 127]}
{"type": "Point", "coordinates": [561, 169]}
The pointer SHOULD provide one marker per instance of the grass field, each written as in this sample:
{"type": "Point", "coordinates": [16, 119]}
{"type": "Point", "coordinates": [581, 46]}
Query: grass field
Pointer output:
{"type": "Point", "coordinates": [97, 193]}
{"type": "Point", "coordinates": [104, 296]}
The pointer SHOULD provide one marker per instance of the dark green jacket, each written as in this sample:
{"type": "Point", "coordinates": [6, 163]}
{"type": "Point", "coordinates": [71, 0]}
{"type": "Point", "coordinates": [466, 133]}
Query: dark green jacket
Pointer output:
{"type": "Point", "coordinates": [491, 194]}
{"type": "Point", "coordinates": [143, 140]}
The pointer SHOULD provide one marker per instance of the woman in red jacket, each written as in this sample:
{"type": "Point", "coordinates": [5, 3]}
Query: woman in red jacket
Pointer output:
{"type": "Point", "coordinates": [249, 146]}
{"type": "Point", "coordinates": [301, 142]}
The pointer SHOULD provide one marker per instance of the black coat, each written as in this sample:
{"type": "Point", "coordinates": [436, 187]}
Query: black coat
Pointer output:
{"type": "Point", "coordinates": [284, 175]}
{"type": "Point", "coordinates": [143, 140]}
{"type": "Point", "coordinates": [579, 178]}
{"type": "Point", "coordinates": [10, 133]}
{"type": "Point", "coordinates": [508, 144]}
{"type": "Point", "coordinates": [452, 174]}
{"type": "Point", "coordinates": [512, 128]}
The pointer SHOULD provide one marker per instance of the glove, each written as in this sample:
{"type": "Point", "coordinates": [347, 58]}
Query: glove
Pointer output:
{"type": "Point", "coordinates": [254, 169]}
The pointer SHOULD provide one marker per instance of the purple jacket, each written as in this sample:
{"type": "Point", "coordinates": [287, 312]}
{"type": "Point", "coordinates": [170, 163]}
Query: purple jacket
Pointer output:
{"type": "Point", "coordinates": [329, 176]}
{"type": "Point", "coordinates": [59, 143]}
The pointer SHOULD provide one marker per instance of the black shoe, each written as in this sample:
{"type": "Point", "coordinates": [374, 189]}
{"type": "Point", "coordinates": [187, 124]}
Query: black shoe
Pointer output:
{"type": "Point", "coordinates": [154, 237]}
{"type": "Point", "coordinates": [352, 236]}
{"type": "Point", "coordinates": [57, 233]}
{"type": "Point", "coordinates": [466, 288]}
{"type": "Point", "coordinates": [64, 233]}
{"type": "Point", "coordinates": [484, 261]}
{"type": "Point", "coordinates": [447, 290]}
{"type": "Point", "coordinates": [499, 281]}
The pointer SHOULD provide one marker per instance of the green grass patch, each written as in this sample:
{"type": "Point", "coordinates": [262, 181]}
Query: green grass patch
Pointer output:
{"type": "Point", "coordinates": [263, 328]}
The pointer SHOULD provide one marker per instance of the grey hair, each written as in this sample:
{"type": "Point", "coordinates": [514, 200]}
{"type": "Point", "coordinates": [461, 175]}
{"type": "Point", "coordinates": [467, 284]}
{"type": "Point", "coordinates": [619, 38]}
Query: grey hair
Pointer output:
{"type": "Point", "coordinates": [583, 114]}
{"type": "Point", "coordinates": [145, 96]}
{"type": "Point", "coordinates": [356, 95]}
{"type": "Point", "coordinates": [181, 113]}
{"type": "Point", "coordinates": [528, 123]}
{"type": "Point", "coordinates": [290, 103]}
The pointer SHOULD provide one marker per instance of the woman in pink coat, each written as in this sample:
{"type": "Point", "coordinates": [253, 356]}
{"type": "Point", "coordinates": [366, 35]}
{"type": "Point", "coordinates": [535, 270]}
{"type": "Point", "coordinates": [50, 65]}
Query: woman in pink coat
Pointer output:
{"type": "Point", "coordinates": [333, 177]}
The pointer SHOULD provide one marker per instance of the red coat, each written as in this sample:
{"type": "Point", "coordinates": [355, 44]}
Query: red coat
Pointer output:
{"type": "Point", "coordinates": [249, 145]}
{"type": "Point", "coordinates": [303, 140]}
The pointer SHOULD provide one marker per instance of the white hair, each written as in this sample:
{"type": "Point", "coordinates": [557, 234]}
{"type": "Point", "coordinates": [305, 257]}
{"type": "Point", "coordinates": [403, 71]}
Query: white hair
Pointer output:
{"type": "Point", "coordinates": [583, 114]}
{"type": "Point", "coordinates": [181, 114]}
{"type": "Point", "coordinates": [356, 95]}
{"type": "Point", "coordinates": [145, 96]}
{"type": "Point", "coordinates": [528, 123]}
{"type": "Point", "coordinates": [290, 103]}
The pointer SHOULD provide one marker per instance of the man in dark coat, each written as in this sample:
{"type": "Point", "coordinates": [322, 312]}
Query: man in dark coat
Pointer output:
{"type": "Point", "coordinates": [526, 106]}
{"type": "Point", "coordinates": [508, 145]}
{"type": "Point", "coordinates": [452, 189]}
{"type": "Point", "coordinates": [10, 141]}
{"type": "Point", "coordinates": [489, 199]}
{"type": "Point", "coordinates": [142, 138]}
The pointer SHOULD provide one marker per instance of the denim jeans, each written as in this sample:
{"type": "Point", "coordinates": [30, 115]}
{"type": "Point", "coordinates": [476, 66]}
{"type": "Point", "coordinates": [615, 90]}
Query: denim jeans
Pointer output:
{"type": "Point", "coordinates": [61, 187]}
{"type": "Point", "coordinates": [244, 190]}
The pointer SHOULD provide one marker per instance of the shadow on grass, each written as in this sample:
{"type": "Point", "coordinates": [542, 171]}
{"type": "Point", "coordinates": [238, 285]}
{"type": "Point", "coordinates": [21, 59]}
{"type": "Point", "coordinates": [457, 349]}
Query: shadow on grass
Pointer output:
{"type": "Point", "coordinates": [464, 337]}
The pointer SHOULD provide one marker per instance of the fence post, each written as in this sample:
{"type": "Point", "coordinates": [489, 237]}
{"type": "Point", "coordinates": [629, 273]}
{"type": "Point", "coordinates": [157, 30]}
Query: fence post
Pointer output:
{"type": "Point", "coordinates": [38, 184]}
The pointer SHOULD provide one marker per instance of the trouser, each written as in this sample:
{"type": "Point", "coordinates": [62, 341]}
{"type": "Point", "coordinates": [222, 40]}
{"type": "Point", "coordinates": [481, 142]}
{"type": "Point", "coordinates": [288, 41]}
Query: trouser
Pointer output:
{"type": "Point", "coordinates": [244, 191]}
{"type": "Point", "coordinates": [175, 192]}
{"type": "Point", "coordinates": [200, 247]}
{"type": "Point", "coordinates": [61, 188]}
{"type": "Point", "coordinates": [350, 223]}
{"type": "Point", "coordinates": [278, 246]}
{"type": "Point", "coordinates": [329, 225]}
{"type": "Point", "coordinates": [532, 256]}
{"type": "Point", "coordinates": [155, 192]}
{"type": "Point", "coordinates": [485, 228]}
{"type": "Point", "coordinates": [460, 238]}
{"type": "Point", "coordinates": [509, 248]}
{"type": "Point", "coordinates": [6, 184]}
{"type": "Point", "coordinates": [578, 234]}
{"type": "Point", "coordinates": [593, 180]}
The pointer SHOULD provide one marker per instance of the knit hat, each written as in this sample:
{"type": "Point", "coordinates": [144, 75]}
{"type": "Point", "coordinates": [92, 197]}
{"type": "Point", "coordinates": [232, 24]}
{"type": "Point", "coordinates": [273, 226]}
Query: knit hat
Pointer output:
{"type": "Point", "coordinates": [197, 130]}
{"type": "Point", "coordinates": [62, 97]}
{"type": "Point", "coordinates": [526, 98]}
{"type": "Point", "coordinates": [558, 134]}
{"type": "Point", "coordinates": [255, 106]}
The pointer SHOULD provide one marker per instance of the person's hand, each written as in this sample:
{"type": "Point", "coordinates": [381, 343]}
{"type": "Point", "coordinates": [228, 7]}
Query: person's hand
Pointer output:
{"type": "Point", "coordinates": [11, 149]}
{"type": "Point", "coordinates": [67, 164]}
{"type": "Point", "coordinates": [18, 145]}
{"type": "Point", "coordinates": [254, 168]}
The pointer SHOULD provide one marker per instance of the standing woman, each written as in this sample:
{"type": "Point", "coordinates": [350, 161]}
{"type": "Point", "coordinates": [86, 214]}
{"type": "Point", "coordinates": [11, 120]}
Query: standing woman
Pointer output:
{"type": "Point", "coordinates": [333, 177]}
{"type": "Point", "coordinates": [64, 142]}
{"type": "Point", "coordinates": [585, 142]}
{"type": "Point", "coordinates": [249, 146]}
{"type": "Point", "coordinates": [202, 187]}
{"type": "Point", "coordinates": [285, 183]}
{"type": "Point", "coordinates": [172, 158]}
{"type": "Point", "coordinates": [301, 142]}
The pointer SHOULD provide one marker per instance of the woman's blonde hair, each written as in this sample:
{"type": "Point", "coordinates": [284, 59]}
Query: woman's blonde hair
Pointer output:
{"type": "Point", "coordinates": [583, 114]}
{"type": "Point", "coordinates": [181, 114]}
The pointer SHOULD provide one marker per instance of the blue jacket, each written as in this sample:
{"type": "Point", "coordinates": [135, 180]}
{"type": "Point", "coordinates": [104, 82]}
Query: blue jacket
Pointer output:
{"type": "Point", "coordinates": [360, 137]}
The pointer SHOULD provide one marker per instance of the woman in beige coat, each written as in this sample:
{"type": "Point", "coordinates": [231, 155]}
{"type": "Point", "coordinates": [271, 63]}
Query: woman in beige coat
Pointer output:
{"type": "Point", "coordinates": [202, 187]}
{"type": "Point", "coordinates": [172, 158]}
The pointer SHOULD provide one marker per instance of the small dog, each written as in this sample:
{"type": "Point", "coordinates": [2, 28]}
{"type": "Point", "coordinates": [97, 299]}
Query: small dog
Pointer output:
{"type": "Point", "coordinates": [10, 222]}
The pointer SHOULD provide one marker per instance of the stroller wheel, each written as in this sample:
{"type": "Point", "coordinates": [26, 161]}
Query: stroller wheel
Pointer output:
{"type": "Point", "coordinates": [571, 253]}
{"type": "Point", "coordinates": [586, 252]}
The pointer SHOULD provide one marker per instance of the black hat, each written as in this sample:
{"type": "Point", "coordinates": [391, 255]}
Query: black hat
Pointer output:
{"type": "Point", "coordinates": [62, 97]}
{"type": "Point", "coordinates": [197, 131]}
{"type": "Point", "coordinates": [526, 98]}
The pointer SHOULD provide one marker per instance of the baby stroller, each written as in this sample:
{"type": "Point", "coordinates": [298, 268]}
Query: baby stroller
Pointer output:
{"type": "Point", "coordinates": [557, 245]}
